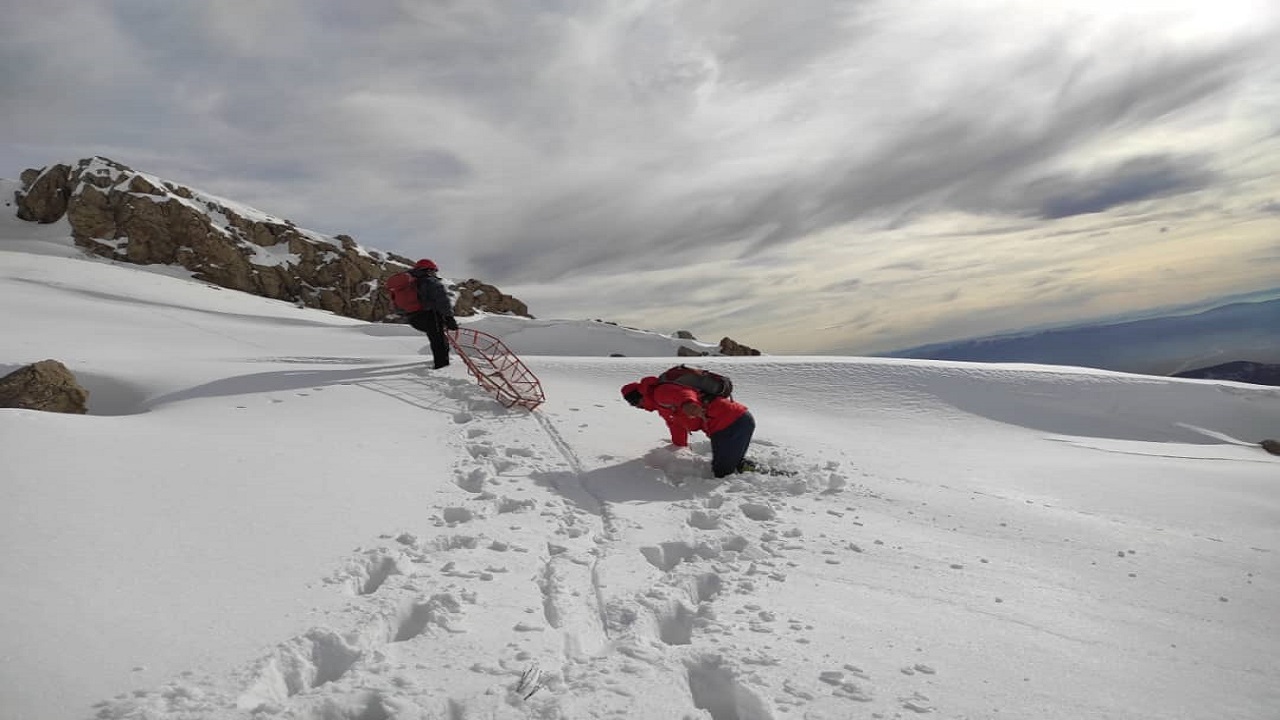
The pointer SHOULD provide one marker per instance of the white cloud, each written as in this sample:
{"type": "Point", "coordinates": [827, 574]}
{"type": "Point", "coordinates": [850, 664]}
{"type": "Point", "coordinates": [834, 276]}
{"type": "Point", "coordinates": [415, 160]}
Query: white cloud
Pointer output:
{"type": "Point", "coordinates": [536, 144]}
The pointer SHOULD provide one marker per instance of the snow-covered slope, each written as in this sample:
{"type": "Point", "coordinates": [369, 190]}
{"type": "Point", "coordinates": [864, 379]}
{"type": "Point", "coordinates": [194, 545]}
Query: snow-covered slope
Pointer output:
{"type": "Point", "coordinates": [278, 512]}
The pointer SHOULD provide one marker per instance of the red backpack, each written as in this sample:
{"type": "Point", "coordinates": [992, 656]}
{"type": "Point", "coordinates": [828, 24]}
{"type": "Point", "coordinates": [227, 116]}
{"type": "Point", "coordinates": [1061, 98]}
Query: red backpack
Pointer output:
{"type": "Point", "coordinates": [404, 292]}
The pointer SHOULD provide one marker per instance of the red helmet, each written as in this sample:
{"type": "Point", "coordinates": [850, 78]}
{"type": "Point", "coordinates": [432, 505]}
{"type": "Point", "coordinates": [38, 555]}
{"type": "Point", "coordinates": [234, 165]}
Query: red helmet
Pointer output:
{"type": "Point", "coordinates": [426, 264]}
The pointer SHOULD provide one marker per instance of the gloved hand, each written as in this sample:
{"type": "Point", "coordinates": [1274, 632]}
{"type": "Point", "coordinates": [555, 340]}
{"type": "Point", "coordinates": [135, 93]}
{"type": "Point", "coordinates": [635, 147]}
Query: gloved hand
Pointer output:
{"type": "Point", "coordinates": [450, 323]}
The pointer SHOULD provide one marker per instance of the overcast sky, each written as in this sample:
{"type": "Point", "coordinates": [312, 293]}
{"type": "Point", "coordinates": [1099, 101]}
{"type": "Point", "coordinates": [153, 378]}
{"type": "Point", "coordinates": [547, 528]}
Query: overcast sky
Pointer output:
{"type": "Point", "coordinates": [808, 176]}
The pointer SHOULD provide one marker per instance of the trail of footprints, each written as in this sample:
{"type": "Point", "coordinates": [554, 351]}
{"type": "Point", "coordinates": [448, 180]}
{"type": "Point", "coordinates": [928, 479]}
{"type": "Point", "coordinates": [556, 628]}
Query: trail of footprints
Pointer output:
{"type": "Point", "coordinates": [613, 646]}
{"type": "Point", "coordinates": [739, 544]}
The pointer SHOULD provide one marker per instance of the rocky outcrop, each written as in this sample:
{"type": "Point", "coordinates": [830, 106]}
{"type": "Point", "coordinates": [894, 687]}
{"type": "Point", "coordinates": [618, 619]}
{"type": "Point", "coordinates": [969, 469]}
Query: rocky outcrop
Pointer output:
{"type": "Point", "coordinates": [46, 385]}
{"type": "Point", "coordinates": [133, 217]}
{"type": "Point", "coordinates": [45, 194]}
{"type": "Point", "coordinates": [728, 346]}
{"type": "Point", "coordinates": [1271, 446]}
{"type": "Point", "coordinates": [473, 295]}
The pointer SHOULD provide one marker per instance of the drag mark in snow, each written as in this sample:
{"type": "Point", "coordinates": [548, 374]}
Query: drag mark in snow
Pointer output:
{"type": "Point", "coordinates": [558, 440]}
{"type": "Point", "coordinates": [607, 521]}
{"type": "Point", "coordinates": [570, 603]}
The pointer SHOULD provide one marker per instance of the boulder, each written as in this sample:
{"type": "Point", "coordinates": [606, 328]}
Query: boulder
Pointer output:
{"type": "Point", "coordinates": [728, 346]}
{"type": "Point", "coordinates": [474, 296]}
{"type": "Point", "coordinates": [45, 194]}
{"type": "Point", "coordinates": [46, 385]}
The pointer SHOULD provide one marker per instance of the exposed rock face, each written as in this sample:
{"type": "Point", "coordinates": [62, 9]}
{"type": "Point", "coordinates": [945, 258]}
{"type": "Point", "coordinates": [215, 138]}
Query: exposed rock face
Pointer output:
{"type": "Point", "coordinates": [474, 295]}
{"type": "Point", "coordinates": [47, 385]}
{"type": "Point", "coordinates": [730, 347]}
{"type": "Point", "coordinates": [1271, 446]}
{"type": "Point", "coordinates": [683, 335]}
{"type": "Point", "coordinates": [45, 194]}
{"type": "Point", "coordinates": [125, 215]}
{"type": "Point", "coordinates": [686, 351]}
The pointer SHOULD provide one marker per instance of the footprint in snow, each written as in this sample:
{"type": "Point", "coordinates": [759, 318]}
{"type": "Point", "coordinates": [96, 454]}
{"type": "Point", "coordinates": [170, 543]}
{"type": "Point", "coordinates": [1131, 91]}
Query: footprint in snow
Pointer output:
{"type": "Point", "coordinates": [705, 520]}
{"type": "Point", "coordinates": [758, 512]}
{"type": "Point", "coordinates": [366, 574]}
{"type": "Point", "coordinates": [455, 515]}
{"type": "Point", "coordinates": [917, 703]}
{"type": "Point", "coordinates": [472, 479]}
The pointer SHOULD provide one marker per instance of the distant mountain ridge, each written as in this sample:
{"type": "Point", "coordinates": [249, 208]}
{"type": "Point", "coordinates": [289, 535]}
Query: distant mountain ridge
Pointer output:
{"type": "Point", "coordinates": [1162, 345]}
{"type": "Point", "coordinates": [1239, 371]}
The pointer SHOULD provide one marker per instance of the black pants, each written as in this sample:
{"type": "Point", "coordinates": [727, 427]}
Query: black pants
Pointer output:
{"type": "Point", "coordinates": [729, 446]}
{"type": "Point", "coordinates": [429, 322]}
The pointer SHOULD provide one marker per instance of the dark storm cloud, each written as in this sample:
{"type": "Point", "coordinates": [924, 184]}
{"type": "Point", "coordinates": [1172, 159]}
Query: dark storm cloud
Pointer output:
{"type": "Point", "coordinates": [1131, 181]}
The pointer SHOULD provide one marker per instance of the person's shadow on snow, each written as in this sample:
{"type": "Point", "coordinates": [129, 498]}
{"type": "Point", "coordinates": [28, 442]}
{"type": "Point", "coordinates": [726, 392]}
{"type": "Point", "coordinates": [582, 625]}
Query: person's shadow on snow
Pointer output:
{"type": "Point", "coordinates": [631, 481]}
{"type": "Point", "coordinates": [404, 382]}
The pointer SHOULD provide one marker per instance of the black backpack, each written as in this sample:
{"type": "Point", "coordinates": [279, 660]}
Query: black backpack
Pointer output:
{"type": "Point", "coordinates": [708, 384]}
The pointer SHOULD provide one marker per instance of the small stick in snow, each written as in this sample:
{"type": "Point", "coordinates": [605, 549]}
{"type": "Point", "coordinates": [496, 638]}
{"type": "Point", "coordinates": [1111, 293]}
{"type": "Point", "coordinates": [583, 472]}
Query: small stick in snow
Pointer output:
{"type": "Point", "coordinates": [530, 682]}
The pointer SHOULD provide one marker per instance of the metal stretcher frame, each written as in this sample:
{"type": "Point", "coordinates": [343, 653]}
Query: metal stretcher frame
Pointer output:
{"type": "Point", "coordinates": [496, 368]}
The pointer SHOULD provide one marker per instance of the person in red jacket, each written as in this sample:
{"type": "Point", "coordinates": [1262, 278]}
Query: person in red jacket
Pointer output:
{"type": "Point", "coordinates": [727, 422]}
{"type": "Point", "coordinates": [640, 395]}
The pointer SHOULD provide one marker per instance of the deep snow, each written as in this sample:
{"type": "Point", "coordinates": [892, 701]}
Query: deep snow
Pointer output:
{"type": "Point", "coordinates": [277, 512]}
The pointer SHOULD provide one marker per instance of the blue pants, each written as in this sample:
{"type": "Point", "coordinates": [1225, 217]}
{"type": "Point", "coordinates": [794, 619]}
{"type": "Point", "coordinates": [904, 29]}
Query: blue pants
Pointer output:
{"type": "Point", "coordinates": [729, 446]}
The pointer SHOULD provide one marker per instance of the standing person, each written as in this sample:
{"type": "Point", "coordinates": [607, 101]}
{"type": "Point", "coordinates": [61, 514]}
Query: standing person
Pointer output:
{"type": "Point", "coordinates": [727, 422]}
{"type": "Point", "coordinates": [421, 294]}
{"type": "Point", "coordinates": [640, 395]}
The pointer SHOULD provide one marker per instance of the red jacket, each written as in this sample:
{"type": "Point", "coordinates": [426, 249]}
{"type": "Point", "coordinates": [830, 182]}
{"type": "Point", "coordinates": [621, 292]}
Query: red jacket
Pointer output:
{"type": "Point", "coordinates": [679, 424]}
{"type": "Point", "coordinates": [720, 413]}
